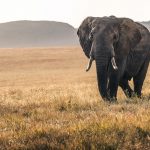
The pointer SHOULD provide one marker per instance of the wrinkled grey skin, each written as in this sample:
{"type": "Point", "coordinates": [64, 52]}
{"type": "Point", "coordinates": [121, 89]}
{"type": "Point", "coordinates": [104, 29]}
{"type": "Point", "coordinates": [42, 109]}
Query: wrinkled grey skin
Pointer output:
{"type": "Point", "coordinates": [120, 48]}
{"type": "Point", "coordinates": [137, 64]}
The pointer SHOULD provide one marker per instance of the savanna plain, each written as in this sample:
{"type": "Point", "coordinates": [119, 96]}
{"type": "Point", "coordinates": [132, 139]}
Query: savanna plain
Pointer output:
{"type": "Point", "coordinates": [48, 101]}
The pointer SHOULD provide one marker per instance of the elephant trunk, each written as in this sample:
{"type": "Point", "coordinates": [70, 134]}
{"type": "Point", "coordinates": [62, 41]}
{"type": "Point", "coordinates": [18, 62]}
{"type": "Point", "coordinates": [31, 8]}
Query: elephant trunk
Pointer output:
{"type": "Point", "coordinates": [102, 78]}
{"type": "Point", "coordinates": [103, 58]}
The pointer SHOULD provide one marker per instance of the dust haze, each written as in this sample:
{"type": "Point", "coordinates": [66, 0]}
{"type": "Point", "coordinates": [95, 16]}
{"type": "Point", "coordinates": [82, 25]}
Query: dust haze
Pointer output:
{"type": "Point", "coordinates": [37, 34]}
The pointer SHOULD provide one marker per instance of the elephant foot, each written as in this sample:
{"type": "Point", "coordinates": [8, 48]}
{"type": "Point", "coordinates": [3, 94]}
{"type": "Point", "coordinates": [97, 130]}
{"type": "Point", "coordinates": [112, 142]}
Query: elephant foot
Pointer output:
{"type": "Point", "coordinates": [113, 100]}
{"type": "Point", "coordinates": [136, 95]}
{"type": "Point", "coordinates": [139, 95]}
{"type": "Point", "coordinates": [110, 100]}
{"type": "Point", "coordinates": [129, 93]}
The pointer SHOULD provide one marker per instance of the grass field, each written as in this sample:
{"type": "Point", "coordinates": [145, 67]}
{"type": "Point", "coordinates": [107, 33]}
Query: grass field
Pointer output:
{"type": "Point", "coordinates": [48, 101]}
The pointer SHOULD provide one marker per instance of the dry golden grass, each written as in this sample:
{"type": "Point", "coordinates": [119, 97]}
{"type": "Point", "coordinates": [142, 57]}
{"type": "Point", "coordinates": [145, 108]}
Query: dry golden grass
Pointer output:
{"type": "Point", "coordinates": [48, 101]}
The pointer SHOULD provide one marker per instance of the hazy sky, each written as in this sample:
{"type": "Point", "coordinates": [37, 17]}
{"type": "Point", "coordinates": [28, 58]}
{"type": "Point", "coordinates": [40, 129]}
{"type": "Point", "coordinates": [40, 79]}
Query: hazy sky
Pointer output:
{"type": "Point", "coordinates": [72, 11]}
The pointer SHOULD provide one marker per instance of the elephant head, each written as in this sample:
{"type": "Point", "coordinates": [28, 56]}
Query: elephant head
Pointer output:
{"type": "Point", "coordinates": [85, 34]}
{"type": "Point", "coordinates": [108, 40]}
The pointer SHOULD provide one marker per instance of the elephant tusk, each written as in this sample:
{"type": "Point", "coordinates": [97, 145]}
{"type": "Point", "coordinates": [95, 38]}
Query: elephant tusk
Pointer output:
{"type": "Point", "coordinates": [89, 64]}
{"type": "Point", "coordinates": [113, 62]}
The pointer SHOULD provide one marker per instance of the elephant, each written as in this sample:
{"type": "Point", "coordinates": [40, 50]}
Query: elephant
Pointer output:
{"type": "Point", "coordinates": [120, 48]}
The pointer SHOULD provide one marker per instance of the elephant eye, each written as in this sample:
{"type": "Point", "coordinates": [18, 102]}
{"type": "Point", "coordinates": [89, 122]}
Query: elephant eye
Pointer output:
{"type": "Point", "coordinates": [115, 37]}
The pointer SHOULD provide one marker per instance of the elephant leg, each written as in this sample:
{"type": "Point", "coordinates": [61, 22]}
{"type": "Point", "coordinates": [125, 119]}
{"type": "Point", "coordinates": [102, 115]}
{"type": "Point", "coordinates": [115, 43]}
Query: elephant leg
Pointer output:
{"type": "Point", "coordinates": [126, 87]}
{"type": "Point", "coordinates": [115, 76]}
{"type": "Point", "coordinates": [139, 79]}
{"type": "Point", "coordinates": [113, 86]}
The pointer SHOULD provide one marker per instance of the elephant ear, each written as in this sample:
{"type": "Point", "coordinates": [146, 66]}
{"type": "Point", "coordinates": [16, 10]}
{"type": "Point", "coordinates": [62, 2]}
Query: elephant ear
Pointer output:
{"type": "Point", "coordinates": [129, 34]}
{"type": "Point", "coordinates": [83, 33]}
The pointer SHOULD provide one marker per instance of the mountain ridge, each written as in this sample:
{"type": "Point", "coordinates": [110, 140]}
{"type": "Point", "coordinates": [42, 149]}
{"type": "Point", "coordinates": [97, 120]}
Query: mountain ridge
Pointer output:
{"type": "Point", "coordinates": [28, 33]}
{"type": "Point", "coordinates": [146, 24]}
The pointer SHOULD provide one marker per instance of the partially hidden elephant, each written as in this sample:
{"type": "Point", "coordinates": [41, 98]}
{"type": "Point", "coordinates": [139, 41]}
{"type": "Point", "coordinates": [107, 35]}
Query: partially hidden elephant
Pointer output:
{"type": "Point", "coordinates": [121, 50]}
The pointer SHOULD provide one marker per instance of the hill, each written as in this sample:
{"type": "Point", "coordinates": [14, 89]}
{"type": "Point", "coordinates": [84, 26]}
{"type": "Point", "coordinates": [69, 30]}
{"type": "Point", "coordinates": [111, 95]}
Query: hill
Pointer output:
{"type": "Point", "coordinates": [146, 24]}
{"type": "Point", "coordinates": [36, 34]}
{"type": "Point", "coordinates": [39, 34]}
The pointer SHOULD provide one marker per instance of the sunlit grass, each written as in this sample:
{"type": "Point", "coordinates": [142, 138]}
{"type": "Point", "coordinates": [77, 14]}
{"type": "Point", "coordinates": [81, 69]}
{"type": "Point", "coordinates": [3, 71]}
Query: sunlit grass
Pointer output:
{"type": "Point", "coordinates": [45, 105]}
